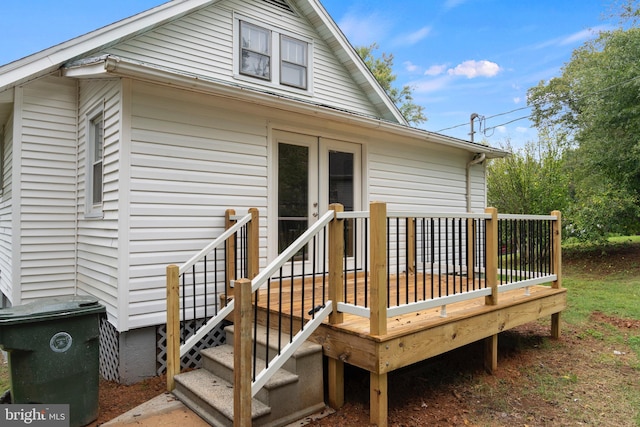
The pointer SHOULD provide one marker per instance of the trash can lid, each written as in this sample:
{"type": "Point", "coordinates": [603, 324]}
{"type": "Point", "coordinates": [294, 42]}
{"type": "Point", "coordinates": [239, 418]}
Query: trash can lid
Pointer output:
{"type": "Point", "coordinates": [47, 308]}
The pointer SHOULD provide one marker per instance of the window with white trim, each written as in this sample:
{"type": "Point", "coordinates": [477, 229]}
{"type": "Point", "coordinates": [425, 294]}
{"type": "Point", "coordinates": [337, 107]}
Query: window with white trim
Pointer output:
{"type": "Point", "coordinates": [95, 161]}
{"type": "Point", "coordinates": [274, 56]}
{"type": "Point", "coordinates": [293, 62]}
{"type": "Point", "coordinates": [255, 51]}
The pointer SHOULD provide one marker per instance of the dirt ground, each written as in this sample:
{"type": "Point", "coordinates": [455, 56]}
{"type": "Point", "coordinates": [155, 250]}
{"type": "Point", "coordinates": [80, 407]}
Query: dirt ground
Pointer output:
{"type": "Point", "coordinates": [581, 379]}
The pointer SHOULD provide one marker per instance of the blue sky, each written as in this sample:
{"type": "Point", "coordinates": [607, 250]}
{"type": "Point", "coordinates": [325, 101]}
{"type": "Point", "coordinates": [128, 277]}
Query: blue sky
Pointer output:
{"type": "Point", "coordinates": [460, 56]}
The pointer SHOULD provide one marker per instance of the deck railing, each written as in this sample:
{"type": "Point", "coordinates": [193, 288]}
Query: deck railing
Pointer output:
{"type": "Point", "coordinates": [375, 264]}
{"type": "Point", "coordinates": [432, 260]}
{"type": "Point", "coordinates": [526, 250]}
{"type": "Point", "coordinates": [197, 290]}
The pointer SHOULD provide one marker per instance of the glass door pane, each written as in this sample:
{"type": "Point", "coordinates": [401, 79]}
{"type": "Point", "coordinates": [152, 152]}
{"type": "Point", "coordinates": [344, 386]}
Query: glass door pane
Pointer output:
{"type": "Point", "coordinates": [293, 195]}
{"type": "Point", "coordinates": [341, 189]}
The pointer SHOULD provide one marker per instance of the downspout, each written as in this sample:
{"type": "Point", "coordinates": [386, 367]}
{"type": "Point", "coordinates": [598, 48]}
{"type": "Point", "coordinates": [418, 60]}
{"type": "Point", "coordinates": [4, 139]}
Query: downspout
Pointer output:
{"type": "Point", "coordinates": [478, 158]}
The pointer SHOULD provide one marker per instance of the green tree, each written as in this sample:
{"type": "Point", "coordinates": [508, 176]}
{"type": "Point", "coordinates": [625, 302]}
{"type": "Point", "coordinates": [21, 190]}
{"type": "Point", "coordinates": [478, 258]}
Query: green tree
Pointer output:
{"type": "Point", "coordinates": [382, 70]}
{"type": "Point", "coordinates": [595, 106]}
{"type": "Point", "coordinates": [532, 180]}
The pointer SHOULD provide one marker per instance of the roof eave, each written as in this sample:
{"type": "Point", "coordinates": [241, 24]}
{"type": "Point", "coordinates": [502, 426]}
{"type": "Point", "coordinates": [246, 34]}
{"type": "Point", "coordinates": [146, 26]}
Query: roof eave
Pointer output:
{"type": "Point", "coordinates": [121, 67]}
{"type": "Point", "coordinates": [49, 60]}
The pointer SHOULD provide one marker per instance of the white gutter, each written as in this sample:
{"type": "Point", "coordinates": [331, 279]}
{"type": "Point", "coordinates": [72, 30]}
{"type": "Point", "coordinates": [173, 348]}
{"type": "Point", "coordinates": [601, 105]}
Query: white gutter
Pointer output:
{"type": "Point", "coordinates": [479, 158]}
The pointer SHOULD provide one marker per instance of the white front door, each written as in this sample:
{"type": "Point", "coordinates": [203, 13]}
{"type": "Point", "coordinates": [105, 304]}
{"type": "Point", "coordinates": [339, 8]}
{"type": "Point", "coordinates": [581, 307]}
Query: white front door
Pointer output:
{"type": "Point", "coordinates": [311, 174]}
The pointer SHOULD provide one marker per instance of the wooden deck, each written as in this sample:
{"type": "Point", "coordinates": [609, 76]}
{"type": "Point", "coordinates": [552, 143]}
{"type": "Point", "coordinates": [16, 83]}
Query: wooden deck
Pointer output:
{"type": "Point", "coordinates": [413, 337]}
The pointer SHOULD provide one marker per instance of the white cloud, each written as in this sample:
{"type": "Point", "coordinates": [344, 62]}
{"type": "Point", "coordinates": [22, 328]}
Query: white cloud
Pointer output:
{"type": "Point", "coordinates": [574, 38]}
{"type": "Point", "coordinates": [517, 100]}
{"type": "Point", "coordinates": [412, 38]}
{"type": "Point", "coordinates": [435, 70]}
{"type": "Point", "coordinates": [581, 36]}
{"type": "Point", "coordinates": [522, 129]}
{"type": "Point", "coordinates": [410, 66]}
{"type": "Point", "coordinates": [363, 30]}
{"type": "Point", "coordinates": [501, 129]}
{"type": "Point", "coordinates": [431, 85]}
{"type": "Point", "coordinates": [450, 4]}
{"type": "Point", "coordinates": [473, 69]}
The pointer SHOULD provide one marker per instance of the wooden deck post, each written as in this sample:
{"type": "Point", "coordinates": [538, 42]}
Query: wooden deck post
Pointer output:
{"type": "Point", "coordinates": [336, 268]}
{"type": "Point", "coordinates": [378, 399]}
{"type": "Point", "coordinates": [378, 254]}
{"type": "Point", "coordinates": [253, 242]}
{"type": "Point", "coordinates": [491, 280]}
{"type": "Point", "coordinates": [242, 317]}
{"type": "Point", "coordinates": [173, 325]}
{"type": "Point", "coordinates": [231, 253]}
{"type": "Point", "coordinates": [491, 353]}
{"type": "Point", "coordinates": [411, 245]}
{"type": "Point", "coordinates": [378, 393]}
{"type": "Point", "coordinates": [557, 268]}
{"type": "Point", "coordinates": [336, 294]}
{"type": "Point", "coordinates": [491, 273]}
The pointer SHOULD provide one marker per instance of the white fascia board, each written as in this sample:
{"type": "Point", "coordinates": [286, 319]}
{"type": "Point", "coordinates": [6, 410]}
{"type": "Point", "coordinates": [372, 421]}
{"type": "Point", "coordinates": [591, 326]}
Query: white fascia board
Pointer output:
{"type": "Point", "coordinates": [51, 59]}
{"type": "Point", "coordinates": [125, 68]}
{"type": "Point", "coordinates": [344, 43]}
{"type": "Point", "coordinates": [95, 70]}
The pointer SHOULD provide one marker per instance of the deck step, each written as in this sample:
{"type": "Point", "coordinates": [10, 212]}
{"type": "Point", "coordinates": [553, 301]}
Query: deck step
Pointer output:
{"type": "Point", "coordinates": [294, 392]}
{"type": "Point", "coordinates": [211, 398]}
{"type": "Point", "coordinates": [219, 361]}
{"type": "Point", "coordinates": [306, 350]}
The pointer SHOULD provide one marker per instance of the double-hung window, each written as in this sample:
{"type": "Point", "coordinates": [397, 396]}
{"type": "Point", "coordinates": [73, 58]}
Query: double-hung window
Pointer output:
{"type": "Point", "coordinates": [95, 161]}
{"type": "Point", "coordinates": [293, 62]}
{"type": "Point", "coordinates": [255, 51]}
{"type": "Point", "coordinates": [274, 56]}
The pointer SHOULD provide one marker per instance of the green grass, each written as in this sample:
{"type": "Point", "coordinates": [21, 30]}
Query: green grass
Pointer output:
{"type": "Point", "coordinates": [624, 239]}
{"type": "Point", "coordinates": [613, 296]}
{"type": "Point", "coordinates": [4, 376]}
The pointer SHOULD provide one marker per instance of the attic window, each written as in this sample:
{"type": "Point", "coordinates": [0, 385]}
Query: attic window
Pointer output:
{"type": "Point", "coordinates": [293, 62]}
{"type": "Point", "coordinates": [255, 52]}
{"type": "Point", "coordinates": [281, 4]}
{"type": "Point", "coordinates": [275, 56]}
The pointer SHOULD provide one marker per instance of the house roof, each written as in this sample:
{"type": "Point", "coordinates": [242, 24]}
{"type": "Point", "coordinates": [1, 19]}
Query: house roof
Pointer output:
{"type": "Point", "coordinates": [58, 58]}
{"type": "Point", "coordinates": [53, 58]}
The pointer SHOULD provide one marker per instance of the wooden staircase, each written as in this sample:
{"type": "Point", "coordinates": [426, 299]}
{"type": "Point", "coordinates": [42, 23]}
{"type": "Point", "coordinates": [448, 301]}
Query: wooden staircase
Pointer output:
{"type": "Point", "coordinates": [294, 392]}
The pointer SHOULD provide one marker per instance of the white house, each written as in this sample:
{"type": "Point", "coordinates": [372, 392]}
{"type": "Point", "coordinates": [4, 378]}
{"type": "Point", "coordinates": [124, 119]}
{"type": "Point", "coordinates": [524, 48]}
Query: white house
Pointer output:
{"type": "Point", "coordinates": [122, 149]}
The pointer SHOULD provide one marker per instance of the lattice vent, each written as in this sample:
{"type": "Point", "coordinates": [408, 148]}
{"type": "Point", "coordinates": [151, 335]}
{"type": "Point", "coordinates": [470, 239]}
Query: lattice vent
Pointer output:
{"type": "Point", "coordinates": [109, 354]}
{"type": "Point", "coordinates": [192, 359]}
{"type": "Point", "coordinates": [281, 4]}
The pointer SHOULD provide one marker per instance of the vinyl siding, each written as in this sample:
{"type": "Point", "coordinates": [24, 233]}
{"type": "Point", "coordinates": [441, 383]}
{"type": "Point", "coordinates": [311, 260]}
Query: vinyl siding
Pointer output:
{"type": "Point", "coordinates": [98, 242]}
{"type": "Point", "coordinates": [202, 44]}
{"type": "Point", "coordinates": [191, 159]}
{"type": "Point", "coordinates": [48, 189]}
{"type": "Point", "coordinates": [423, 177]}
{"type": "Point", "coordinates": [6, 202]}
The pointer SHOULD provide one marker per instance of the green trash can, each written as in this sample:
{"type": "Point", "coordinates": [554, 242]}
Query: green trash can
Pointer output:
{"type": "Point", "coordinates": [53, 348]}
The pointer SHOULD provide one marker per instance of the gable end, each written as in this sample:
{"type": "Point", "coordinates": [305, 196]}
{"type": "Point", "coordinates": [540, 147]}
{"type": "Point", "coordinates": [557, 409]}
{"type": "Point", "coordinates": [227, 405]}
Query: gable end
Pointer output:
{"type": "Point", "coordinates": [282, 5]}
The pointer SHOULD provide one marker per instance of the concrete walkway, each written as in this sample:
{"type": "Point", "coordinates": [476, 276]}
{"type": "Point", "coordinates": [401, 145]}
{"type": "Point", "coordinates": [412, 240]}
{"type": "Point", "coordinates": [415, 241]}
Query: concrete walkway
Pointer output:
{"type": "Point", "coordinates": [161, 411]}
{"type": "Point", "coordinates": [166, 411]}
